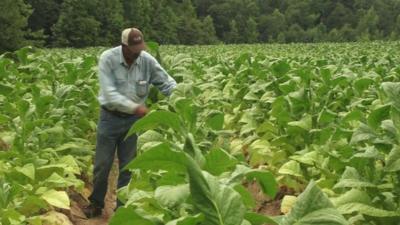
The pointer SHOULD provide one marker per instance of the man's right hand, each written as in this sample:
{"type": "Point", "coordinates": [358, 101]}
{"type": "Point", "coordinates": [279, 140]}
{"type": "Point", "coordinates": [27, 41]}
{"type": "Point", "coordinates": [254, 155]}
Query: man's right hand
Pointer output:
{"type": "Point", "coordinates": [141, 111]}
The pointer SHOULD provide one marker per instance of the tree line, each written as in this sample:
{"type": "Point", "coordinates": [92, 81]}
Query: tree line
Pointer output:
{"type": "Point", "coordinates": [76, 23]}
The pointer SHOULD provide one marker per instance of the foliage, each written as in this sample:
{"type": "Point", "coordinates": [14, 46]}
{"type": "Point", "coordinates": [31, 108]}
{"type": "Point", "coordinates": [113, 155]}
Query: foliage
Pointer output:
{"type": "Point", "coordinates": [321, 119]}
{"type": "Point", "coordinates": [74, 23]}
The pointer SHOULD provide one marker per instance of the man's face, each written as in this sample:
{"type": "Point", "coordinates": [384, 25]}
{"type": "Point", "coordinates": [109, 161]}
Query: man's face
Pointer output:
{"type": "Point", "coordinates": [133, 52]}
{"type": "Point", "coordinates": [135, 42]}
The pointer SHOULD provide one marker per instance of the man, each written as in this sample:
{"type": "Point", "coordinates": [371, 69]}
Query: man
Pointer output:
{"type": "Point", "coordinates": [125, 73]}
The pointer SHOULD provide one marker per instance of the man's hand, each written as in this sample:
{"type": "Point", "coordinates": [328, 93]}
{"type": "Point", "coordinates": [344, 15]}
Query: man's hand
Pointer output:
{"type": "Point", "coordinates": [141, 111]}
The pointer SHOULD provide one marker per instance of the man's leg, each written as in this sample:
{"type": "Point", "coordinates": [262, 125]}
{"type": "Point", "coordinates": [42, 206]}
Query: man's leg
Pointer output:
{"type": "Point", "coordinates": [104, 157]}
{"type": "Point", "coordinates": [126, 151]}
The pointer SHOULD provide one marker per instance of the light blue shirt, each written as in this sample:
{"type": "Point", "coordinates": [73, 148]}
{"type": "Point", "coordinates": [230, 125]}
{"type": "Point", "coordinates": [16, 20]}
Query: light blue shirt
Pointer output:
{"type": "Point", "coordinates": [124, 88]}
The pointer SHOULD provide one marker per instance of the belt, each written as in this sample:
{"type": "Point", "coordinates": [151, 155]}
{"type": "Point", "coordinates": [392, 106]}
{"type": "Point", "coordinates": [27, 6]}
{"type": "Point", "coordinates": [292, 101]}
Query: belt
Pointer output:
{"type": "Point", "coordinates": [117, 113]}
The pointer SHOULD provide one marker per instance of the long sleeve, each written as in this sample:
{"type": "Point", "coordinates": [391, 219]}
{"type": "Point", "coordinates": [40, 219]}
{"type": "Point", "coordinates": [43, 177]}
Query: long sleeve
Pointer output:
{"type": "Point", "coordinates": [111, 98]}
{"type": "Point", "coordinates": [161, 79]}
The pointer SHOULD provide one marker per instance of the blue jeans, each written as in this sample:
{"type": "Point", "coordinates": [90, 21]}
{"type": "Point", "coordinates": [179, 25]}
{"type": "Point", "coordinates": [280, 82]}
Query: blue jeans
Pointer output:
{"type": "Point", "coordinates": [111, 131]}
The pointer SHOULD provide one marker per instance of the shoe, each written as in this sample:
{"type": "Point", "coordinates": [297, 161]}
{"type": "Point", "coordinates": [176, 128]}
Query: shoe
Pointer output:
{"type": "Point", "coordinates": [91, 211]}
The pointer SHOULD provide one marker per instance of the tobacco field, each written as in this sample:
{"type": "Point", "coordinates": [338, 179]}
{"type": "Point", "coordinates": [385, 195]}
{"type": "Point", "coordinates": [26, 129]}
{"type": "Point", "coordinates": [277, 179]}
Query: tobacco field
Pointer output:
{"type": "Point", "coordinates": [315, 127]}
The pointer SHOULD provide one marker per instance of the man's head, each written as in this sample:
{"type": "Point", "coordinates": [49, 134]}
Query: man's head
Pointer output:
{"type": "Point", "coordinates": [132, 38]}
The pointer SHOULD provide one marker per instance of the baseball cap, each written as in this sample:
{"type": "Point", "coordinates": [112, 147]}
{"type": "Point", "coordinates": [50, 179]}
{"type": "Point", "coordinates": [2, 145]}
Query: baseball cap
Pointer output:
{"type": "Point", "coordinates": [133, 38]}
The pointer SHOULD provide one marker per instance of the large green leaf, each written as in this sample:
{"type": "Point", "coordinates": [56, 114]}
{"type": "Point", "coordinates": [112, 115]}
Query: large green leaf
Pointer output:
{"type": "Point", "coordinates": [247, 197]}
{"type": "Point", "coordinates": [23, 107]}
{"type": "Point", "coordinates": [155, 119]}
{"type": "Point", "coordinates": [12, 217]}
{"type": "Point", "coordinates": [160, 157]}
{"type": "Point", "coordinates": [392, 90]}
{"type": "Point", "coordinates": [280, 110]}
{"type": "Point", "coordinates": [363, 133]}
{"type": "Point", "coordinates": [366, 210]}
{"type": "Point", "coordinates": [354, 195]}
{"type": "Point", "coordinates": [188, 220]}
{"type": "Point", "coordinates": [362, 83]}
{"type": "Point", "coordinates": [28, 170]}
{"type": "Point", "coordinates": [5, 89]}
{"type": "Point", "coordinates": [266, 180]}
{"type": "Point", "coordinates": [219, 161]}
{"type": "Point", "coordinates": [55, 198]}
{"type": "Point", "coordinates": [291, 168]}
{"type": "Point", "coordinates": [187, 110]}
{"type": "Point", "coordinates": [193, 149]}
{"type": "Point", "coordinates": [257, 219]}
{"type": "Point", "coordinates": [128, 216]}
{"type": "Point", "coordinates": [215, 120]}
{"type": "Point", "coordinates": [352, 179]}
{"type": "Point", "coordinates": [220, 204]}
{"type": "Point", "coordinates": [172, 196]}
{"type": "Point", "coordinates": [378, 115]}
{"type": "Point", "coordinates": [149, 139]}
{"type": "Point", "coordinates": [313, 207]}
{"type": "Point", "coordinates": [393, 160]}
{"type": "Point", "coordinates": [395, 115]}
{"type": "Point", "coordinates": [305, 123]}
{"type": "Point", "coordinates": [280, 68]}
{"type": "Point", "coordinates": [310, 158]}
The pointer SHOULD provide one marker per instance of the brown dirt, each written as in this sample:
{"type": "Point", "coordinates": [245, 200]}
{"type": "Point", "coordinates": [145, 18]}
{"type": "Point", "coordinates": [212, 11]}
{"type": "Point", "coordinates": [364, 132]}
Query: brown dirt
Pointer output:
{"type": "Point", "coordinates": [79, 200]}
{"type": "Point", "coordinates": [264, 204]}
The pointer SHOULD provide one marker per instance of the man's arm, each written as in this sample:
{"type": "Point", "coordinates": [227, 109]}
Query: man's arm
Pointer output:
{"type": "Point", "coordinates": [113, 99]}
{"type": "Point", "coordinates": [161, 79]}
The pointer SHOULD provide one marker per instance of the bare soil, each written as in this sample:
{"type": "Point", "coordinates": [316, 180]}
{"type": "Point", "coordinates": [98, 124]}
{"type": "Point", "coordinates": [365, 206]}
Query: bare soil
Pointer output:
{"type": "Point", "coordinates": [79, 200]}
{"type": "Point", "coordinates": [264, 204]}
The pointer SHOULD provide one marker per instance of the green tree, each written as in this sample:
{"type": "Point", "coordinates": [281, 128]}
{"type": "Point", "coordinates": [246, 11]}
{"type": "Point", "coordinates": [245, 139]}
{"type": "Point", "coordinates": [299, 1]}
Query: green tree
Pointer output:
{"type": "Point", "coordinates": [224, 11]}
{"type": "Point", "coordinates": [281, 38]}
{"type": "Point", "coordinates": [45, 14]}
{"type": "Point", "coordinates": [334, 36]}
{"type": "Point", "coordinates": [363, 4]}
{"type": "Point", "coordinates": [189, 28]}
{"type": "Point", "coordinates": [347, 33]}
{"type": "Point", "coordinates": [202, 6]}
{"type": "Point", "coordinates": [250, 32]}
{"type": "Point", "coordinates": [164, 25]}
{"type": "Point", "coordinates": [395, 34]}
{"type": "Point", "coordinates": [89, 23]}
{"type": "Point", "coordinates": [110, 15]}
{"type": "Point", "coordinates": [77, 26]}
{"type": "Point", "coordinates": [367, 28]}
{"type": "Point", "coordinates": [137, 13]}
{"type": "Point", "coordinates": [339, 16]}
{"type": "Point", "coordinates": [316, 34]}
{"type": "Point", "coordinates": [241, 11]}
{"type": "Point", "coordinates": [222, 16]}
{"type": "Point", "coordinates": [208, 34]}
{"type": "Point", "coordinates": [302, 13]}
{"type": "Point", "coordinates": [97, 22]}
{"type": "Point", "coordinates": [387, 11]}
{"type": "Point", "coordinates": [295, 34]}
{"type": "Point", "coordinates": [13, 23]}
{"type": "Point", "coordinates": [271, 25]}
{"type": "Point", "coordinates": [233, 35]}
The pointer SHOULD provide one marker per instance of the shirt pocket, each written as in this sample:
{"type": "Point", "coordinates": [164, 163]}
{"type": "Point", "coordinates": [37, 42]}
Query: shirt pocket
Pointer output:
{"type": "Point", "coordinates": [142, 87]}
{"type": "Point", "coordinates": [120, 76]}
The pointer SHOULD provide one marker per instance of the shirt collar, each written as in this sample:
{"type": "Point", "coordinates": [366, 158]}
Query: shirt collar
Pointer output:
{"type": "Point", "coordinates": [123, 62]}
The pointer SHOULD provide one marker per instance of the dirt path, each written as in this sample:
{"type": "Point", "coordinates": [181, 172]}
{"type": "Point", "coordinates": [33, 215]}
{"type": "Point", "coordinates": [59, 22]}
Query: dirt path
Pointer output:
{"type": "Point", "coordinates": [78, 201]}
{"type": "Point", "coordinates": [266, 205]}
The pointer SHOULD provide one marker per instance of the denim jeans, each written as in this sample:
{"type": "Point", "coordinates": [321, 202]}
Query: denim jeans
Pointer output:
{"type": "Point", "coordinates": [111, 132]}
